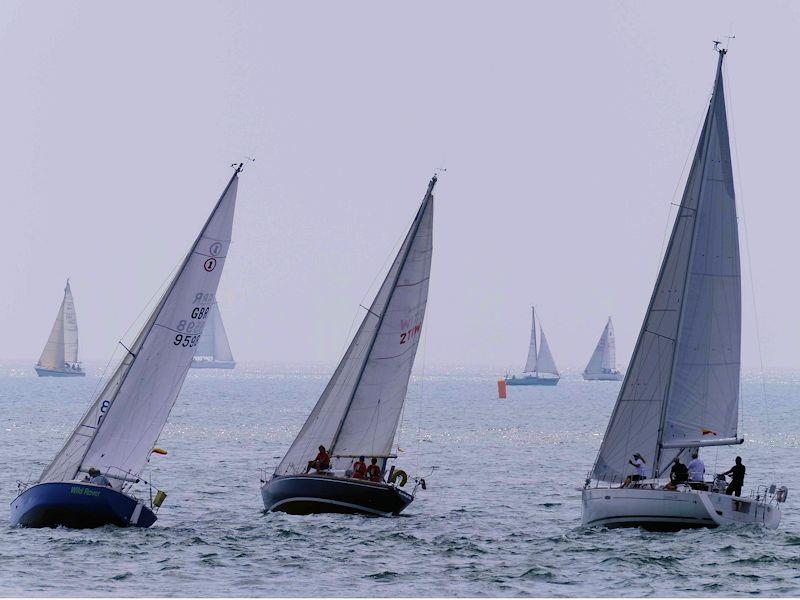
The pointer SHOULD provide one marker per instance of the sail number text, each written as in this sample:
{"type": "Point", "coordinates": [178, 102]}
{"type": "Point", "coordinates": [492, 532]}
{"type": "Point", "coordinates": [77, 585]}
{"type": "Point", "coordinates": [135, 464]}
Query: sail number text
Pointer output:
{"type": "Point", "coordinates": [191, 328]}
{"type": "Point", "coordinates": [410, 333]}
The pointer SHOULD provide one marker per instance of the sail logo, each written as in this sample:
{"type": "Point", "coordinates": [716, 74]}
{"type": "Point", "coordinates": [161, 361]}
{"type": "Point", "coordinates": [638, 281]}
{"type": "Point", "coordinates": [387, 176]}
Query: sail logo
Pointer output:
{"type": "Point", "coordinates": [409, 330]}
{"type": "Point", "coordinates": [210, 264]}
{"type": "Point", "coordinates": [215, 249]}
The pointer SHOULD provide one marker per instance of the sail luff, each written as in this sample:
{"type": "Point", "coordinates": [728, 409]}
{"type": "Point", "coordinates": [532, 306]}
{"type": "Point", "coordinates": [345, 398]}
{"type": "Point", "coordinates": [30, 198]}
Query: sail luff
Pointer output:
{"type": "Point", "coordinates": [530, 363]}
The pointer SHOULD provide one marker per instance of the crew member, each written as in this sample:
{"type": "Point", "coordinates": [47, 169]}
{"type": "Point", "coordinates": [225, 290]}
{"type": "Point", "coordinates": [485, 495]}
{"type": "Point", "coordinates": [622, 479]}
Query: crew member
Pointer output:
{"type": "Point", "coordinates": [98, 478]}
{"type": "Point", "coordinates": [678, 474]}
{"type": "Point", "coordinates": [321, 462]}
{"type": "Point", "coordinates": [374, 471]}
{"type": "Point", "coordinates": [737, 478]}
{"type": "Point", "coordinates": [360, 469]}
{"type": "Point", "coordinates": [640, 465]}
{"type": "Point", "coordinates": [697, 468]}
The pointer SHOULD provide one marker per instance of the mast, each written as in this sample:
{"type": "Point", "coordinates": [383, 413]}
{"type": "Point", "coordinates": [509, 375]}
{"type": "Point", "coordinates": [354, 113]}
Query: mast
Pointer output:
{"type": "Point", "coordinates": [412, 235]}
{"type": "Point", "coordinates": [707, 138]}
{"type": "Point", "coordinates": [533, 337]}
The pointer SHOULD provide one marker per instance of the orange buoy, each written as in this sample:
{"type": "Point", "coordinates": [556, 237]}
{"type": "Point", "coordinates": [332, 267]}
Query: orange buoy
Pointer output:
{"type": "Point", "coordinates": [501, 388]}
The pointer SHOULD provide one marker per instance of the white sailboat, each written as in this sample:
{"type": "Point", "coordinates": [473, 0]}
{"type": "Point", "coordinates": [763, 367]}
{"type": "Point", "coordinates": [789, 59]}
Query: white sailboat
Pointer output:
{"type": "Point", "coordinates": [213, 349]}
{"type": "Point", "coordinates": [603, 364]}
{"type": "Point", "coordinates": [358, 413]}
{"type": "Point", "coordinates": [540, 368]}
{"type": "Point", "coordinates": [681, 391]}
{"type": "Point", "coordinates": [89, 482]}
{"type": "Point", "coordinates": [60, 355]}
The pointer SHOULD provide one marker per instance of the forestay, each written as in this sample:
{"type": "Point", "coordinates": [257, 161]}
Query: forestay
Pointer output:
{"type": "Point", "coordinates": [545, 362]}
{"type": "Point", "coordinates": [684, 372]}
{"type": "Point", "coordinates": [214, 341]}
{"type": "Point", "coordinates": [604, 357]}
{"type": "Point", "coordinates": [530, 364]}
{"type": "Point", "coordinates": [118, 432]}
{"type": "Point", "coordinates": [359, 410]}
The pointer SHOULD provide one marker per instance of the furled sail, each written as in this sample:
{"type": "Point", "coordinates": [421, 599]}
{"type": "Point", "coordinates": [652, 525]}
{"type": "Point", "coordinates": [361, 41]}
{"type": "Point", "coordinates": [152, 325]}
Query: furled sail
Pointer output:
{"type": "Point", "coordinates": [682, 386]}
{"type": "Point", "coordinates": [213, 344]}
{"type": "Point", "coordinates": [604, 357]}
{"type": "Point", "coordinates": [530, 364]}
{"type": "Point", "coordinates": [118, 432]}
{"type": "Point", "coordinates": [62, 345]}
{"type": "Point", "coordinates": [359, 410]}
{"type": "Point", "coordinates": [545, 362]}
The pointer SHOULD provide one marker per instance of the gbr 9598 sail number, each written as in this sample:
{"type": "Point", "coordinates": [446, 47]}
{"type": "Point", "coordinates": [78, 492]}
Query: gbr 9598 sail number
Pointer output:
{"type": "Point", "coordinates": [190, 329]}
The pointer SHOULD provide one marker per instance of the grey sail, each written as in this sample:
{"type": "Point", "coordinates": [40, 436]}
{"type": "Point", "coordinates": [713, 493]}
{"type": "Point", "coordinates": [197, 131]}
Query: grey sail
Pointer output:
{"type": "Point", "coordinates": [213, 348]}
{"type": "Point", "coordinates": [359, 410]}
{"type": "Point", "coordinates": [682, 386]}
{"type": "Point", "coordinates": [530, 363]}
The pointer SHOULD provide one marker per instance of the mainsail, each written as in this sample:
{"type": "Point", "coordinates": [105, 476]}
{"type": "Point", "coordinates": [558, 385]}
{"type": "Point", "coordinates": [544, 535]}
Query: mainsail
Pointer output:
{"type": "Point", "coordinates": [62, 345]}
{"type": "Point", "coordinates": [530, 364]}
{"type": "Point", "coordinates": [213, 344]}
{"type": "Point", "coordinates": [118, 432]}
{"type": "Point", "coordinates": [604, 357]}
{"type": "Point", "coordinates": [359, 410]}
{"type": "Point", "coordinates": [682, 387]}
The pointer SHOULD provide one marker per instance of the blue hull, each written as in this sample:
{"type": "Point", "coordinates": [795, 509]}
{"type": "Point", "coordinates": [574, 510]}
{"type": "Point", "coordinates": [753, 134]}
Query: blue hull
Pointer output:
{"type": "Point", "coordinates": [77, 505]}
{"type": "Point", "coordinates": [532, 380]}
{"type": "Point", "coordinates": [314, 494]}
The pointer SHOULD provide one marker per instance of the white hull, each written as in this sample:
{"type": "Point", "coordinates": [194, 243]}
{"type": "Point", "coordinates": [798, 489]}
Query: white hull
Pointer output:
{"type": "Point", "coordinates": [665, 510]}
{"type": "Point", "coordinates": [603, 376]}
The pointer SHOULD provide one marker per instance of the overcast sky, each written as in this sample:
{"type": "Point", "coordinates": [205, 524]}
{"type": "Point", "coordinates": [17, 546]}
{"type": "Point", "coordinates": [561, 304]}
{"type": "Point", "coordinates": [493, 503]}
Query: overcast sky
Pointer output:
{"type": "Point", "coordinates": [564, 128]}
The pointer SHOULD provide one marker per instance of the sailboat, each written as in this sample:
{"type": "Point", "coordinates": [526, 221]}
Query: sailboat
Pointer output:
{"type": "Point", "coordinates": [359, 410]}
{"type": "Point", "coordinates": [681, 391]}
{"type": "Point", "coordinates": [60, 355]}
{"type": "Point", "coordinates": [213, 349]}
{"type": "Point", "coordinates": [89, 482]}
{"type": "Point", "coordinates": [540, 368]}
{"type": "Point", "coordinates": [603, 364]}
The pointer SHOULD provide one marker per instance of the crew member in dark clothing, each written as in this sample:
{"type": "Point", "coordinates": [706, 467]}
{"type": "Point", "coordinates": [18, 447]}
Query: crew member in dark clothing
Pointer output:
{"type": "Point", "coordinates": [678, 474]}
{"type": "Point", "coordinates": [737, 478]}
{"type": "Point", "coordinates": [374, 471]}
{"type": "Point", "coordinates": [321, 462]}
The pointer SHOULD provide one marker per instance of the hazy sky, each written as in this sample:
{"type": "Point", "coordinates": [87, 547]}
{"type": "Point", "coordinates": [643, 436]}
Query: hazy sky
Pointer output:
{"type": "Point", "coordinates": [564, 128]}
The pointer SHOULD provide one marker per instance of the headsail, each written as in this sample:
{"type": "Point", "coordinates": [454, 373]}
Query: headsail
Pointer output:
{"type": "Point", "coordinates": [683, 380]}
{"type": "Point", "coordinates": [545, 362]}
{"type": "Point", "coordinates": [530, 364]}
{"type": "Point", "coordinates": [62, 345]}
{"type": "Point", "coordinates": [213, 343]}
{"type": "Point", "coordinates": [118, 432]}
{"type": "Point", "coordinates": [604, 357]}
{"type": "Point", "coordinates": [359, 410]}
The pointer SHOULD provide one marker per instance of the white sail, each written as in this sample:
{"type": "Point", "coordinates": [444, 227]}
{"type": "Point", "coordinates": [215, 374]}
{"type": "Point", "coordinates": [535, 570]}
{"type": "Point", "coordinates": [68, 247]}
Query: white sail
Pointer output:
{"type": "Point", "coordinates": [118, 432]}
{"type": "Point", "coordinates": [213, 343]}
{"type": "Point", "coordinates": [604, 357]}
{"type": "Point", "coordinates": [70, 327]}
{"type": "Point", "coordinates": [530, 363]}
{"type": "Point", "coordinates": [682, 385]}
{"type": "Point", "coordinates": [359, 410]}
{"type": "Point", "coordinates": [545, 362]}
{"type": "Point", "coordinates": [62, 345]}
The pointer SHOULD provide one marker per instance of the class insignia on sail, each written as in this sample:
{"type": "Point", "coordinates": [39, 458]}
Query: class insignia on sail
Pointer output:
{"type": "Point", "coordinates": [681, 391]}
{"type": "Point", "coordinates": [339, 460]}
{"type": "Point", "coordinates": [60, 355]}
{"type": "Point", "coordinates": [92, 480]}
{"type": "Point", "coordinates": [540, 368]}
{"type": "Point", "coordinates": [213, 349]}
{"type": "Point", "coordinates": [603, 364]}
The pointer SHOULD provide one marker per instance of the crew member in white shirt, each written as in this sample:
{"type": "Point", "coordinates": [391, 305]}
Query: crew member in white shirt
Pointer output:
{"type": "Point", "coordinates": [697, 468]}
{"type": "Point", "coordinates": [641, 473]}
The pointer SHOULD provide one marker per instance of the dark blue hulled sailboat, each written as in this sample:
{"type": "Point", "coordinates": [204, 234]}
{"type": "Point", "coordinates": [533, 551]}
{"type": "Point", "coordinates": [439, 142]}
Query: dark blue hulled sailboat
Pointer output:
{"type": "Point", "coordinates": [358, 413]}
{"type": "Point", "coordinates": [90, 481]}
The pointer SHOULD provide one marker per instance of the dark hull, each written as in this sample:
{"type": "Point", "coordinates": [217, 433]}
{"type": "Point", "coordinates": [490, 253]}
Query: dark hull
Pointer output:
{"type": "Point", "coordinates": [313, 494]}
{"type": "Point", "coordinates": [77, 505]}
{"type": "Point", "coordinates": [532, 380]}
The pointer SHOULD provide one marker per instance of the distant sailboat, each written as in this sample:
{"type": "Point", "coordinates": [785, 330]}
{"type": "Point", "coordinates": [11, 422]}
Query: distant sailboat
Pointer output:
{"type": "Point", "coordinates": [60, 355]}
{"type": "Point", "coordinates": [540, 368]}
{"type": "Point", "coordinates": [213, 349]}
{"type": "Point", "coordinates": [681, 391]}
{"type": "Point", "coordinates": [89, 482]}
{"type": "Point", "coordinates": [603, 364]}
{"type": "Point", "coordinates": [359, 411]}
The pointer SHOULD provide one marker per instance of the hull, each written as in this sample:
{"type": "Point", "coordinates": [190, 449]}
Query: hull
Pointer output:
{"type": "Point", "coordinates": [213, 364]}
{"type": "Point", "coordinates": [665, 510]}
{"type": "Point", "coordinates": [78, 505]}
{"type": "Point", "coordinates": [532, 380]}
{"type": "Point", "coordinates": [313, 494]}
{"type": "Point", "coordinates": [602, 376]}
{"type": "Point", "coordinates": [44, 372]}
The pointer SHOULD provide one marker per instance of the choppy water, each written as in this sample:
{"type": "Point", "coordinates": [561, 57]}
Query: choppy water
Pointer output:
{"type": "Point", "coordinates": [501, 515]}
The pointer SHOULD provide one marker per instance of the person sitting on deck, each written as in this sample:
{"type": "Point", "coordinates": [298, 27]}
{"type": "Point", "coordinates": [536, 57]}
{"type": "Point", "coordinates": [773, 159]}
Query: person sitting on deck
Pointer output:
{"type": "Point", "coordinates": [374, 471]}
{"type": "Point", "coordinates": [360, 469]}
{"type": "Point", "coordinates": [679, 474]}
{"type": "Point", "coordinates": [640, 465]}
{"type": "Point", "coordinates": [322, 462]}
{"type": "Point", "coordinates": [97, 478]}
{"type": "Point", "coordinates": [737, 478]}
{"type": "Point", "coordinates": [697, 468]}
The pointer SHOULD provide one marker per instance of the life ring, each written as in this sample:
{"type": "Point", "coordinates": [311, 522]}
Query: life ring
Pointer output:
{"type": "Point", "coordinates": [399, 474]}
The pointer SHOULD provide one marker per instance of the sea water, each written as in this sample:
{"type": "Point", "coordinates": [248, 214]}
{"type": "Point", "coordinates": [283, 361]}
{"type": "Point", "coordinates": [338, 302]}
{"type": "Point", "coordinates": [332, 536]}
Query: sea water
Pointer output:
{"type": "Point", "coordinates": [501, 515]}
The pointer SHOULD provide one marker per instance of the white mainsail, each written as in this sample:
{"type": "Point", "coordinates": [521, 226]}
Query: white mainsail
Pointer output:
{"type": "Point", "coordinates": [359, 410]}
{"type": "Point", "coordinates": [530, 363]}
{"type": "Point", "coordinates": [682, 387]}
{"type": "Point", "coordinates": [544, 361]}
{"type": "Point", "coordinates": [62, 345]}
{"type": "Point", "coordinates": [213, 343]}
{"type": "Point", "coordinates": [604, 357]}
{"type": "Point", "coordinates": [118, 432]}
